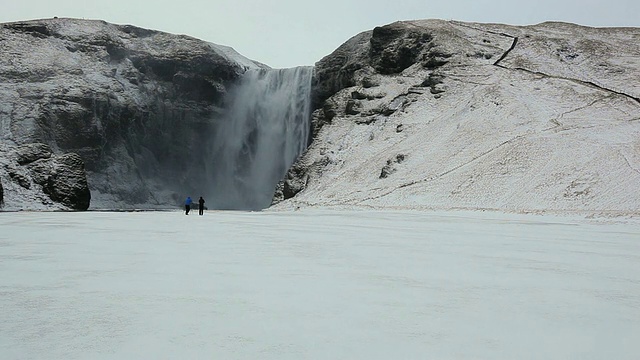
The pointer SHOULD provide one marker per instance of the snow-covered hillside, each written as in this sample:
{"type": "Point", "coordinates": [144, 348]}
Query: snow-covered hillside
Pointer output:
{"type": "Point", "coordinates": [535, 118]}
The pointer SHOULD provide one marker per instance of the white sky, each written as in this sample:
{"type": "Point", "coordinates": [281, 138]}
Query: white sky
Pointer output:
{"type": "Point", "coordinates": [287, 33]}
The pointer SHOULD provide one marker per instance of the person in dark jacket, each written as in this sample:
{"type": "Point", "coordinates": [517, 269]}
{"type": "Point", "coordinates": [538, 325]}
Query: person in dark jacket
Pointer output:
{"type": "Point", "coordinates": [187, 205]}
{"type": "Point", "coordinates": [201, 206]}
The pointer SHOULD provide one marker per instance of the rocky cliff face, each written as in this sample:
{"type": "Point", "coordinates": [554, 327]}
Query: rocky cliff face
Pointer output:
{"type": "Point", "coordinates": [444, 114]}
{"type": "Point", "coordinates": [136, 106]}
{"type": "Point", "coordinates": [419, 114]}
{"type": "Point", "coordinates": [41, 180]}
{"type": "Point", "coordinates": [1, 194]}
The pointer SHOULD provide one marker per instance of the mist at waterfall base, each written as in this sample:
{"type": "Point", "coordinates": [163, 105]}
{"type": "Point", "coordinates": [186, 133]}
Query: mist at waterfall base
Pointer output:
{"type": "Point", "coordinates": [266, 128]}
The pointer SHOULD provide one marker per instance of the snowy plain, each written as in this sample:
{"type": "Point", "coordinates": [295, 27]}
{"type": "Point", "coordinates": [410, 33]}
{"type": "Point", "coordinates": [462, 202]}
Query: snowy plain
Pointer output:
{"type": "Point", "coordinates": [318, 284]}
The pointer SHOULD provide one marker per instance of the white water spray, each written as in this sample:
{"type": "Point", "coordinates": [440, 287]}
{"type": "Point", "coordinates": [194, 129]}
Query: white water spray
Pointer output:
{"type": "Point", "coordinates": [266, 130]}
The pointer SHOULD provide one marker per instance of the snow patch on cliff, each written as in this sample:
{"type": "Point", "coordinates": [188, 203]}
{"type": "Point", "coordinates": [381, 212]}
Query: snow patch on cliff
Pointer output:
{"type": "Point", "coordinates": [230, 54]}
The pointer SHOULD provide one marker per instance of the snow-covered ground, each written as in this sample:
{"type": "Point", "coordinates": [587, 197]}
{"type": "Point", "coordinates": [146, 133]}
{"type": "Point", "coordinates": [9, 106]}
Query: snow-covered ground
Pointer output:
{"type": "Point", "coordinates": [318, 284]}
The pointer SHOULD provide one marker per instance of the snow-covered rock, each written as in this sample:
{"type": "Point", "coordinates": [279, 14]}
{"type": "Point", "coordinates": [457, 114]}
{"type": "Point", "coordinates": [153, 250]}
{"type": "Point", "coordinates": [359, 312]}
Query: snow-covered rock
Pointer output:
{"type": "Point", "coordinates": [136, 105]}
{"type": "Point", "coordinates": [445, 114]}
{"type": "Point", "coordinates": [37, 179]}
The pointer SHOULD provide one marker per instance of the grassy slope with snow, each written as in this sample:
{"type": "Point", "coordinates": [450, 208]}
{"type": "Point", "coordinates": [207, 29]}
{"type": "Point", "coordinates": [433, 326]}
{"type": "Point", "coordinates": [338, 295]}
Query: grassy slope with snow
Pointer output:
{"type": "Point", "coordinates": [554, 126]}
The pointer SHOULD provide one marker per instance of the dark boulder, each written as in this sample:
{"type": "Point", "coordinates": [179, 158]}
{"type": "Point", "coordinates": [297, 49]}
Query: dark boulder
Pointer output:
{"type": "Point", "coordinates": [64, 180]}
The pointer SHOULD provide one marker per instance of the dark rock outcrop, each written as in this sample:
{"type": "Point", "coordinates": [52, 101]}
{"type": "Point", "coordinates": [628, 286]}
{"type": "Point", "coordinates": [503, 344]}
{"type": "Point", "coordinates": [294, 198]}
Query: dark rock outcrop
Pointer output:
{"type": "Point", "coordinates": [395, 47]}
{"type": "Point", "coordinates": [385, 50]}
{"type": "Point", "coordinates": [298, 176]}
{"type": "Point", "coordinates": [390, 167]}
{"type": "Point", "coordinates": [338, 70]}
{"type": "Point", "coordinates": [29, 153]}
{"type": "Point", "coordinates": [361, 61]}
{"type": "Point", "coordinates": [138, 106]}
{"type": "Point", "coordinates": [37, 179]}
{"type": "Point", "coordinates": [63, 179]}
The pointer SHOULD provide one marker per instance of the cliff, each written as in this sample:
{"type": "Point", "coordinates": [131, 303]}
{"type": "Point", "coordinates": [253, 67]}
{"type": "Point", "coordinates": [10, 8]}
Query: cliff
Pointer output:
{"type": "Point", "coordinates": [445, 114]}
{"type": "Point", "coordinates": [137, 107]}
{"type": "Point", "coordinates": [414, 114]}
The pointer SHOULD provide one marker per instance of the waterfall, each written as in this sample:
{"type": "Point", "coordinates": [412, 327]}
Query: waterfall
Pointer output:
{"type": "Point", "coordinates": [266, 129]}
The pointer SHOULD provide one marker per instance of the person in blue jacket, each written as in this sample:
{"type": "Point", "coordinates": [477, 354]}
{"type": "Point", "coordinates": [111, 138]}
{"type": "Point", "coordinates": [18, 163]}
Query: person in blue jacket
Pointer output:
{"type": "Point", "coordinates": [187, 205]}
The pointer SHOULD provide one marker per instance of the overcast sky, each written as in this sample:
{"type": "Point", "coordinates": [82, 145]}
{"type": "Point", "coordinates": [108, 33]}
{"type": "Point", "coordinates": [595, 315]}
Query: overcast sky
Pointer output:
{"type": "Point", "coordinates": [287, 33]}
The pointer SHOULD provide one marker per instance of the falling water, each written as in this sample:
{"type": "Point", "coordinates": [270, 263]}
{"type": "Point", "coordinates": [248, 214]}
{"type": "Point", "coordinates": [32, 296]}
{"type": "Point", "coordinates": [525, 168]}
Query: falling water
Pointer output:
{"type": "Point", "coordinates": [266, 129]}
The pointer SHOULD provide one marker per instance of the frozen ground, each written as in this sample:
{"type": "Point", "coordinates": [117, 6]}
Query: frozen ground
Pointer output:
{"type": "Point", "coordinates": [318, 284]}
